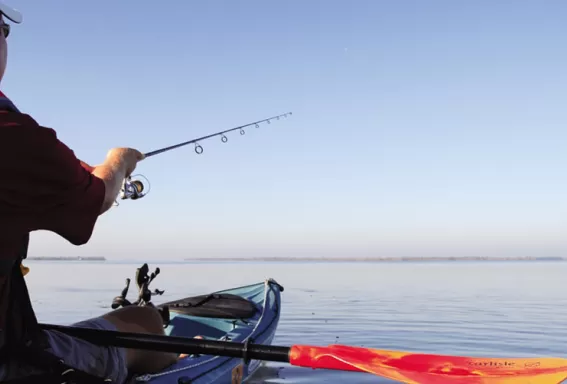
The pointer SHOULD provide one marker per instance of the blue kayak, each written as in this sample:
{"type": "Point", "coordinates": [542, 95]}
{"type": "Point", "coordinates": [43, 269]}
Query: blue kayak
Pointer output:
{"type": "Point", "coordinates": [245, 314]}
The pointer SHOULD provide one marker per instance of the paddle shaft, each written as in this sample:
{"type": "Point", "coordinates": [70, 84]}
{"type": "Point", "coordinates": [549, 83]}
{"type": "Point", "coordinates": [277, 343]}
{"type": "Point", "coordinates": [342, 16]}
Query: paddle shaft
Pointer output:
{"type": "Point", "coordinates": [175, 344]}
{"type": "Point", "coordinates": [406, 367]}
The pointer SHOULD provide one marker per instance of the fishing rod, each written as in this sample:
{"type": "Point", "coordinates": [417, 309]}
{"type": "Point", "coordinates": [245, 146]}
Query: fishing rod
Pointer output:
{"type": "Point", "coordinates": [134, 189]}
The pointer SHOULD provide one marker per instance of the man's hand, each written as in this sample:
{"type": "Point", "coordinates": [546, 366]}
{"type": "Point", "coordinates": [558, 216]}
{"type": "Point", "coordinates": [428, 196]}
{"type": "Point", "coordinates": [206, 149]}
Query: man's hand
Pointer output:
{"type": "Point", "coordinates": [127, 156]}
{"type": "Point", "coordinates": [119, 164]}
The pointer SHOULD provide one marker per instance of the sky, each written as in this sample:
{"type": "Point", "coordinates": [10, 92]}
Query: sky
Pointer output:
{"type": "Point", "coordinates": [419, 128]}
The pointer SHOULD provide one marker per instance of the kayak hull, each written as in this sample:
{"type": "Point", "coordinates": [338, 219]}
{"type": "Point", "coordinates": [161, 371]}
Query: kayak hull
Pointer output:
{"type": "Point", "coordinates": [244, 314]}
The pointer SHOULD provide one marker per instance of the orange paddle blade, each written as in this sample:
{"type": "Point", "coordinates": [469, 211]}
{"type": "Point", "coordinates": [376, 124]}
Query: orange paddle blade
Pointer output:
{"type": "Point", "coordinates": [419, 368]}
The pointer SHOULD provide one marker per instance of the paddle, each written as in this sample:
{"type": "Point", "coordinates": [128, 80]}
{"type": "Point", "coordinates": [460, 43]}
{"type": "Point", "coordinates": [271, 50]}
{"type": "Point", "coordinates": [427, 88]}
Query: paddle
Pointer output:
{"type": "Point", "coordinates": [406, 367]}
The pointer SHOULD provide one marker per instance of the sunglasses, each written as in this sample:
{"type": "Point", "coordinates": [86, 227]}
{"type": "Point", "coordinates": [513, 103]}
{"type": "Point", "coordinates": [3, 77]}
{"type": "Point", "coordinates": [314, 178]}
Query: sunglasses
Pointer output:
{"type": "Point", "coordinates": [5, 29]}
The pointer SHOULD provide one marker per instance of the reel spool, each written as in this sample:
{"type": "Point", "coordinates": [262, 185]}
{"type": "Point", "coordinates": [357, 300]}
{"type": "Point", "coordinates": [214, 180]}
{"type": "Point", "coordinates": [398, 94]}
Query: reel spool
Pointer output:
{"type": "Point", "coordinates": [133, 189]}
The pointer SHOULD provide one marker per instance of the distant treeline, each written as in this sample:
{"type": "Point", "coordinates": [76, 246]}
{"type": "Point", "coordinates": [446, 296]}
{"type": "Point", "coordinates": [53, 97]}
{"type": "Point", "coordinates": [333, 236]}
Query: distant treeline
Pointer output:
{"type": "Point", "coordinates": [373, 259]}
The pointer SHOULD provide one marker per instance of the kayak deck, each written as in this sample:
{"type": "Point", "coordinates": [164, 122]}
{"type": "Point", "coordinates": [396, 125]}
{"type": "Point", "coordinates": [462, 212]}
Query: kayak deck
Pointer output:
{"type": "Point", "coordinates": [244, 314]}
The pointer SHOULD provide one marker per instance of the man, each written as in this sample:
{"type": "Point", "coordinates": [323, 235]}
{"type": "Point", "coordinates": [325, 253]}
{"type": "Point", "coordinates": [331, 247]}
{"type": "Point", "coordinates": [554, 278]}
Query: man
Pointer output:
{"type": "Point", "coordinates": [43, 186]}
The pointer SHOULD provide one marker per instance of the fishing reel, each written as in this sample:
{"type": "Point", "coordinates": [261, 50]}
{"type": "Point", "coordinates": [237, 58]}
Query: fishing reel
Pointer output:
{"type": "Point", "coordinates": [143, 281]}
{"type": "Point", "coordinates": [134, 189]}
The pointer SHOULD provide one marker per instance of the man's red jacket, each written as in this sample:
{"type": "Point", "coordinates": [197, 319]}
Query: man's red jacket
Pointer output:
{"type": "Point", "coordinates": [43, 186]}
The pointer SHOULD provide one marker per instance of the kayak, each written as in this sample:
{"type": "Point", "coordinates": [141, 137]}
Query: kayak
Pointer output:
{"type": "Point", "coordinates": [248, 314]}
{"type": "Point", "coordinates": [236, 327]}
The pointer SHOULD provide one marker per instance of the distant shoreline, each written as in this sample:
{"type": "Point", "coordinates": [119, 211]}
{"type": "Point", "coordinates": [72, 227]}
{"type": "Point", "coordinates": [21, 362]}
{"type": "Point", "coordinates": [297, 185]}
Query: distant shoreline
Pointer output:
{"type": "Point", "coordinates": [320, 259]}
{"type": "Point", "coordinates": [67, 258]}
{"type": "Point", "coordinates": [371, 259]}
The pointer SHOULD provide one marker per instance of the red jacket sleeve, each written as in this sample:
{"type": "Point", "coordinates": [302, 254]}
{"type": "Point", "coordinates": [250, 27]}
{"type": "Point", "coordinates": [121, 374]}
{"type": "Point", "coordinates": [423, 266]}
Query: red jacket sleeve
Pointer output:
{"type": "Point", "coordinates": [45, 187]}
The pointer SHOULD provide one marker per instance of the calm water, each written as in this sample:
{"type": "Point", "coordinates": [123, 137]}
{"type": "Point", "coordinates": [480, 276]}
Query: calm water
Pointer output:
{"type": "Point", "coordinates": [498, 309]}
